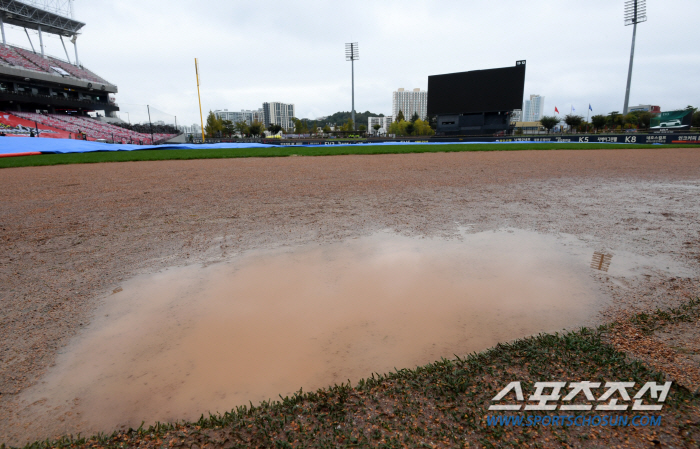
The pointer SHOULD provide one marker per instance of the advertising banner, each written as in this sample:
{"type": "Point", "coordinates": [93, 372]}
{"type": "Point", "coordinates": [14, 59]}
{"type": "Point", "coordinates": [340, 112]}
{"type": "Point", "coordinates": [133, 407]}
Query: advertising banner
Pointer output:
{"type": "Point", "coordinates": [672, 120]}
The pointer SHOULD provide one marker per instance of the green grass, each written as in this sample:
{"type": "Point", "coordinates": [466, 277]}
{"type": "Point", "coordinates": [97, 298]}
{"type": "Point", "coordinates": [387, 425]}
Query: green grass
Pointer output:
{"type": "Point", "coordinates": [444, 403]}
{"type": "Point", "coordinates": [282, 151]}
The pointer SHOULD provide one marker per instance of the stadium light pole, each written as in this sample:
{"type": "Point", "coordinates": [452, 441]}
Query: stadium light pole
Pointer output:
{"type": "Point", "coordinates": [149, 122]}
{"type": "Point", "coordinates": [2, 28]}
{"type": "Point", "coordinates": [352, 54]}
{"type": "Point", "coordinates": [635, 12]}
{"type": "Point", "coordinates": [201, 118]}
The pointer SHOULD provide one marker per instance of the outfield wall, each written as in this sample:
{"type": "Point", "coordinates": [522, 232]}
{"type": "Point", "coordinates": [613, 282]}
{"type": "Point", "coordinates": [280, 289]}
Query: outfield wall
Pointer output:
{"type": "Point", "coordinates": [630, 138]}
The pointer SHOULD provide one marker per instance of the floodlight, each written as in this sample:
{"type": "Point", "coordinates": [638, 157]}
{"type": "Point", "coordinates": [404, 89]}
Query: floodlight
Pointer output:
{"type": "Point", "coordinates": [635, 12]}
{"type": "Point", "coordinates": [352, 54]}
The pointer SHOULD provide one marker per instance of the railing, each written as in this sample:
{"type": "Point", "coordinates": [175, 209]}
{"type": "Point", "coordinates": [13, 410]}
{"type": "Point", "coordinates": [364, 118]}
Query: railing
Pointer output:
{"type": "Point", "coordinates": [225, 140]}
{"type": "Point", "coordinates": [52, 97]}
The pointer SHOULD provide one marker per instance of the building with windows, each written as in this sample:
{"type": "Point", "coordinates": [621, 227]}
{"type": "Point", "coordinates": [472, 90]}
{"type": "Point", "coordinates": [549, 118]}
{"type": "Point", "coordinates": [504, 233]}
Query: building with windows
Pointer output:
{"type": "Point", "coordinates": [533, 109]}
{"type": "Point", "coordinates": [646, 108]}
{"type": "Point", "coordinates": [278, 114]}
{"type": "Point", "coordinates": [243, 115]}
{"type": "Point", "coordinates": [410, 102]}
{"type": "Point", "coordinates": [383, 123]}
{"type": "Point", "coordinates": [194, 129]}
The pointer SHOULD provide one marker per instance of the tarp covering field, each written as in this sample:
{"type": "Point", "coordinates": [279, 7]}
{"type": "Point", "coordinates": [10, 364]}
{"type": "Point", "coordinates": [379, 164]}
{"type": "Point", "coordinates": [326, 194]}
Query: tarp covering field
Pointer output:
{"type": "Point", "coordinates": [10, 145]}
{"type": "Point", "coordinates": [14, 146]}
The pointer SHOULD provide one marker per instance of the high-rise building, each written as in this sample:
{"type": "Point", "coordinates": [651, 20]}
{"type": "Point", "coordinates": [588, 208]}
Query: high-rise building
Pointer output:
{"type": "Point", "coordinates": [410, 102]}
{"type": "Point", "coordinates": [278, 114]}
{"type": "Point", "coordinates": [383, 123]}
{"type": "Point", "coordinates": [243, 115]}
{"type": "Point", "coordinates": [533, 109]}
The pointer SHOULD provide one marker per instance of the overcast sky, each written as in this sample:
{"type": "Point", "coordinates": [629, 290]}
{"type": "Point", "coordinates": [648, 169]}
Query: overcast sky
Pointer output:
{"type": "Point", "coordinates": [577, 51]}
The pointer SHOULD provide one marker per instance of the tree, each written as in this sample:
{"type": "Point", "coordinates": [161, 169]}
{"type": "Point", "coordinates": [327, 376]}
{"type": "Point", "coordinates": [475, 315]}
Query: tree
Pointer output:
{"type": "Point", "coordinates": [631, 119]}
{"type": "Point", "coordinates": [414, 117]}
{"type": "Point", "coordinates": [398, 128]}
{"type": "Point", "coordinates": [241, 128]}
{"type": "Point", "coordinates": [599, 121]}
{"type": "Point", "coordinates": [574, 121]}
{"type": "Point", "coordinates": [256, 128]}
{"type": "Point", "coordinates": [348, 126]}
{"type": "Point", "coordinates": [410, 127]}
{"type": "Point", "coordinates": [300, 127]}
{"type": "Point", "coordinates": [326, 129]}
{"type": "Point", "coordinates": [549, 122]}
{"type": "Point", "coordinates": [644, 118]}
{"type": "Point", "coordinates": [422, 128]}
{"type": "Point", "coordinates": [228, 127]}
{"type": "Point", "coordinates": [363, 128]}
{"type": "Point", "coordinates": [615, 119]}
{"type": "Point", "coordinates": [400, 117]}
{"type": "Point", "coordinates": [695, 120]}
{"type": "Point", "coordinates": [274, 128]}
{"type": "Point", "coordinates": [214, 125]}
{"type": "Point", "coordinates": [377, 127]}
{"type": "Point", "coordinates": [339, 118]}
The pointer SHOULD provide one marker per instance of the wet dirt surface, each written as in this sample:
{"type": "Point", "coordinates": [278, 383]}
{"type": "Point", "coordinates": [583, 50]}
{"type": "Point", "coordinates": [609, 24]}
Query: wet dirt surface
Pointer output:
{"type": "Point", "coordinates": [191, 340]}
{"type": "Point", "coordinates": [71, 235]}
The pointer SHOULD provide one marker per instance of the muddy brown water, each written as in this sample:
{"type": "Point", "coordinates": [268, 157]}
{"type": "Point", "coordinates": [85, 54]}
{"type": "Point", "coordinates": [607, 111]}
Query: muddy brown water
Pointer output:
{"type": "Point", "coordinates": [189, 340]}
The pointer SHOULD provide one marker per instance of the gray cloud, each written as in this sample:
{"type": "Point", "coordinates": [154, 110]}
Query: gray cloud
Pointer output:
{"type": "Point", "coordinates": [251, 52]}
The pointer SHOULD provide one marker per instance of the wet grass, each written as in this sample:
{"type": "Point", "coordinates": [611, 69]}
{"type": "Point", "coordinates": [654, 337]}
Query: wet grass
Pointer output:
{"type": "Point", "coordinates": [443, 404]}
{"type": "Point", "coordinates": [686, 313]}
{"type": "Point", "coordinates": [284, 151]}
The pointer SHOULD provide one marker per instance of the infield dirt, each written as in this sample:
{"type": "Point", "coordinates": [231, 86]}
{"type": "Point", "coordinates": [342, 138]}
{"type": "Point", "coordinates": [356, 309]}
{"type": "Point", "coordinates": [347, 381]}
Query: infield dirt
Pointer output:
{"type": "Point", "coordinates": [72, 236]}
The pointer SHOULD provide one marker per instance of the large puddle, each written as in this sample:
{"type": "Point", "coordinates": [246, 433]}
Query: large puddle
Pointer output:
{"type": "Point", "coordinates": [189, 340]}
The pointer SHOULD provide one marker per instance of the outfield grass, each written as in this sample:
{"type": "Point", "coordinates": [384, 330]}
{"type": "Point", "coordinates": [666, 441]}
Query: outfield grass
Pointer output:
{"type": "Point", "coordinates": [282, 151]}
{"type": "Point", "coordinates": [443, 404]}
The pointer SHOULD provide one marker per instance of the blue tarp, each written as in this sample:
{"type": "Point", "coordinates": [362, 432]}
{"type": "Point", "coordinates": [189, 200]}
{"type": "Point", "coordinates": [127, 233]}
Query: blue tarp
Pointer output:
{"type": "Point", "coordinates": [10, 145]}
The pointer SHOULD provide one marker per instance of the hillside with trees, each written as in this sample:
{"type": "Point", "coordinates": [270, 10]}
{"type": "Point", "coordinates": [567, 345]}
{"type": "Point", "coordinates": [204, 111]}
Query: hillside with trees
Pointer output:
{"type": "Point", "coordinates": [341, 118]}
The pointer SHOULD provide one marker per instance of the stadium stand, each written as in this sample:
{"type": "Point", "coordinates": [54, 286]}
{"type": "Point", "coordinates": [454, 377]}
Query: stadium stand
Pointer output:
{"type": "Point", "coordinates": [38, 89]}
{"type": "Point", "coordinates": [13, 58]}
{"type": "Point", "coordinates": [37, 60]}
{"type": "Point", "coordinates": [94, 129]}
{"type": "Point", "coordinates": [78, 72]}
{"type": "Point", "coordinates": [20, 57]}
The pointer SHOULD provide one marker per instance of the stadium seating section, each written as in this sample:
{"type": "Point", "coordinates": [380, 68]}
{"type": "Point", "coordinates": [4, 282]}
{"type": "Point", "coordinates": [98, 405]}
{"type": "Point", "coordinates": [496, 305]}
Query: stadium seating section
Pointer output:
{"type": "Point", "coordinates": [94, 129]}
{"type": "Point", "coordinates": [19, 57]}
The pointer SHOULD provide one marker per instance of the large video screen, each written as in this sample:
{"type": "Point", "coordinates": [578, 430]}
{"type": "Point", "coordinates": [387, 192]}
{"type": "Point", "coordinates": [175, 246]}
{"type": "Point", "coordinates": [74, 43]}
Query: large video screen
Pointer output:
{"type": "Point", "coordinates": [477, 91]}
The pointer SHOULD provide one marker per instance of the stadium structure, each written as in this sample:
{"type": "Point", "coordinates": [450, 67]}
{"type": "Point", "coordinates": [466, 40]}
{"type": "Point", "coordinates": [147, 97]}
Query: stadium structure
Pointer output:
{"type": "Point", "coordinates": [479, 102]}
{"type": "Point", "coordinates": [48, 95]}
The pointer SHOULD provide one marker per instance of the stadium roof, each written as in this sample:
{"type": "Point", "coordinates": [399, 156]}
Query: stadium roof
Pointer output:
{"type": "Point", "coordinates": [21, 14]}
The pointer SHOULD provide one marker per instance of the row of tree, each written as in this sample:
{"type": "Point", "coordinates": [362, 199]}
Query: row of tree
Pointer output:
{"type": "Point", "coordinates": [413, 127]}
{"type": "Point", "coordinates": [614, 121]}
{"type": "Point", "coordinates": [145, 128]}
{"type": "Point", "coordinates": [216, 127]}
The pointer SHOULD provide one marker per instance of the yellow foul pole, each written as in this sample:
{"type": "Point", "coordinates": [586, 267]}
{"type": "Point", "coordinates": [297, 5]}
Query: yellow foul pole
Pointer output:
{"type": "Point", "coordinates": [201, 119]}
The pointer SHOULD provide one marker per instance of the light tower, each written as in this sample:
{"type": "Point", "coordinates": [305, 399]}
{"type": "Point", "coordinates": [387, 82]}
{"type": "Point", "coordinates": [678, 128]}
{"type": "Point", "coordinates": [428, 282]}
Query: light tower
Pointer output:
{"type": "Point", "coordinates": [60, 7]}
{"type": "Point", "coordinates": [635, 12]}
{"type": "Point", "coordinates": [352, 54]}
